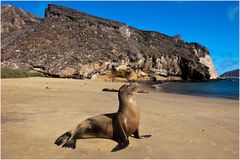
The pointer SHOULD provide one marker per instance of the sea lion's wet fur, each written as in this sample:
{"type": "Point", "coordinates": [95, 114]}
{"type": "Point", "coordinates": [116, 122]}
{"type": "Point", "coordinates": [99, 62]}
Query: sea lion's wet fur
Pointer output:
{"type": "Point", "coordinates": [116, 126]}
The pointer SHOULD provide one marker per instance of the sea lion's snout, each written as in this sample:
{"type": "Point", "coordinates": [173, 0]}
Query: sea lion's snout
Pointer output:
{"type": "Point", "coordinates": [129, 88]}
{"type": "Point", "coordinates": [134, 86]}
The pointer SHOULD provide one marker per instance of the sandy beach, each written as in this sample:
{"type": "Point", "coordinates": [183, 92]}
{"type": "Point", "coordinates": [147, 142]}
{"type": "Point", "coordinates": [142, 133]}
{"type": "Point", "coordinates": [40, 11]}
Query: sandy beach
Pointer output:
{"type": "Point", "coordinates": [35, 111]}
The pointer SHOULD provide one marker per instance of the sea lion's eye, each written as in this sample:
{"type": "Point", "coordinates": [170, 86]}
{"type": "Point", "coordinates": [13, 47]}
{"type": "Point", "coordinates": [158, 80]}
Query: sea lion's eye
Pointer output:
{"type": "Point", "coordinates": [127, 85]}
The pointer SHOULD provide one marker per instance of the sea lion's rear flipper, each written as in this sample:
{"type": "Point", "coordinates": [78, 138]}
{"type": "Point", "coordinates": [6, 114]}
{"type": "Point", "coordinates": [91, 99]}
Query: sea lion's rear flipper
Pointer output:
{"type": "Point", "coordinates": [71, 143]}
{"type": "Point", "coordinates": [61, 139]}
{"type": "Point", "coordinates": [137, 135]}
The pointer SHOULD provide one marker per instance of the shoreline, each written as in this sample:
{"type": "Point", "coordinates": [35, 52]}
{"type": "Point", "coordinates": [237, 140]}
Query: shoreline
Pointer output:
{"type": "Point", "coordinates": [155, 86]}
{"type": "Point", "coordinates": [185, 88]}
{"type": "Point", "coordinates": [40, 109]}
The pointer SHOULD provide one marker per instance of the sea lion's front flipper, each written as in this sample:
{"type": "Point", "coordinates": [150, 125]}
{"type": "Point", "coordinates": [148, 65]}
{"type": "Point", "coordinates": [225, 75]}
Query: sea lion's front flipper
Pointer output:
{"type": "Point", "coordinates": [137, 135]}
{"type": "Point", "coordinates": [122, 139]}
{"type": "Point", "coordinates": [145, 136]}
{"type": "Point", "coordinates": [120, 146]}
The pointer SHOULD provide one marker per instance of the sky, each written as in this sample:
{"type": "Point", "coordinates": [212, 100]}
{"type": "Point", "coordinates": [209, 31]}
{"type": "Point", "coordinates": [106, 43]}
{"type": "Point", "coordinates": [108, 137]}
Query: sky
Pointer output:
{"type": "Point", "coordinates": [214, 24]}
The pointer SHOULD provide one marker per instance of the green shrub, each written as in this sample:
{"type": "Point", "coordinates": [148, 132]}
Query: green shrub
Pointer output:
{"type": "Point", "coordinates": [36, 74]}
{"type": "Point", "coordinates": [18, 73]}
{"type": "Point", "coordinates": [144, 53]}
{"type": "Point", "coordinates": [154, 57]}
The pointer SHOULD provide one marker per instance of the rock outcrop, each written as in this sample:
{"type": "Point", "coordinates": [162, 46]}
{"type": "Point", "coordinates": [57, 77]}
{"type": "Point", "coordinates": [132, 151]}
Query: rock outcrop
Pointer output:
{"type": "Point", "coordinates": [230, 74]}
{"type": "Point", "coordinates": [14, 23]}
{"type": "Point", "coordinates": [69, 43]}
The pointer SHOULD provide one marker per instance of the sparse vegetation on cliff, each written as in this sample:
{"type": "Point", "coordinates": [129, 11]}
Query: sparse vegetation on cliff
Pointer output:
{"type": "Point", "coordinates": [18, 73]}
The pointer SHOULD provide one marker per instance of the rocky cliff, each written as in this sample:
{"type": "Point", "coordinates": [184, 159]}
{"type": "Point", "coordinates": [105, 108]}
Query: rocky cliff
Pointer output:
{"type": "Point", "coordinates": [14, 23]}
{"type": "Point", "coordinates": [231, 74]}
{"type": "Point", "coordinates": [69, 43]}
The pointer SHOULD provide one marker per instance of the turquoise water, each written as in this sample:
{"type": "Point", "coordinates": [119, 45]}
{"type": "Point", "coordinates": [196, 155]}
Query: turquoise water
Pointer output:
{"type": "Point", "coordinates": [222, 89]}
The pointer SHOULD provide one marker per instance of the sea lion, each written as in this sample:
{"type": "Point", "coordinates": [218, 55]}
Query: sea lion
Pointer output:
{"type": "Point", "coordinates": [115, 126]}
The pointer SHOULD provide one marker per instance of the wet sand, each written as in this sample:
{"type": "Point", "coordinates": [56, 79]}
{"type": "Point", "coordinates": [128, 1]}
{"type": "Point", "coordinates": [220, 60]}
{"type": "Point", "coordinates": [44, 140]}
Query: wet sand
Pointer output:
{"type": "Point", "coordinates": [35, 111]}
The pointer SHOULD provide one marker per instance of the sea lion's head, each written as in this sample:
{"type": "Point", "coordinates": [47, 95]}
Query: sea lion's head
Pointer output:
{"type": "Point", "coordinates": [125, 94]}
{"type": "Point", "coordinates": [128, 89]}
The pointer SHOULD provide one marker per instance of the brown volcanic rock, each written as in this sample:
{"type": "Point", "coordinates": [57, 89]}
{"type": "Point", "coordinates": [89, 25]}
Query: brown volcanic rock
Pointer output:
{"type": "Point", "coordinates": [14, 23]}
{"type": "Point", "coordinates": [70, 43]}
{"type": "Point", "coordinates": [231, 74]}
{"type": "Point", "coordinates": [15, 18]}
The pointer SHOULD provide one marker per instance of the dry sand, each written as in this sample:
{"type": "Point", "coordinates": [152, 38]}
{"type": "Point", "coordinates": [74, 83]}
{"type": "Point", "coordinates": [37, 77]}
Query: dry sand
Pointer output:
{"type": "Point", "coordinates": [35, 111]}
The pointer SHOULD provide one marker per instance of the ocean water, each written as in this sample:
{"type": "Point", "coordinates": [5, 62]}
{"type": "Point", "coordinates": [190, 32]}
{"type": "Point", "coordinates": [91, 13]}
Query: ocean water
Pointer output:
{"type": "Point", "coordinates": [221, 89]}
